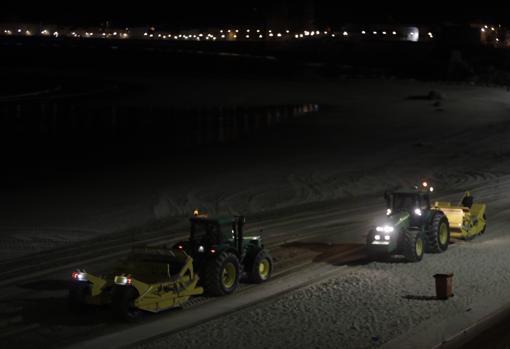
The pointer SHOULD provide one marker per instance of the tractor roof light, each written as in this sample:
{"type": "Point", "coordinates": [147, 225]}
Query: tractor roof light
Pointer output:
{"type": "Point", "coordinates": [417, 212]}
{"type": "Point", "coordinates": [388, 211]}
{"type": "Point", "coordinates": [431, 189]}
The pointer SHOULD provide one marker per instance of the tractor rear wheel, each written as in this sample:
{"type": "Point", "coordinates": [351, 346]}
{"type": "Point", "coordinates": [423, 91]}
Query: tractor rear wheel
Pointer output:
{"type": "Point", "coordinates": [413, 246]}
{"type": "Point", "coordinates": [222, 274]}
{"type": "Point", "coordinates": [438, 234]}
{"type": "Point", "coordinates": [261, 268]}
{"type": "Point", "coordinates": [123, 303]}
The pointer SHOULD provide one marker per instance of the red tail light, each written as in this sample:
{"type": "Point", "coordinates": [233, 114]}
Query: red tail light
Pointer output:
{"type": "Point", "coordinates": [213, 251]}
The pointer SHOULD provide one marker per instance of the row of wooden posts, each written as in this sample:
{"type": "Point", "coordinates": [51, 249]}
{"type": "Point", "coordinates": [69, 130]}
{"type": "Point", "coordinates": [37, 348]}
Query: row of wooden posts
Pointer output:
{"type": "Point", "coordinates": [55, 121]}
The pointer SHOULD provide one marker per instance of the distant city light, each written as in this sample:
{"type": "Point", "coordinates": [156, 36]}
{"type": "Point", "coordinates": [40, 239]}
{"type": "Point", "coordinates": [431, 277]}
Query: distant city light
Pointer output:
{"type": "Point", "coordinates": [244, 32]}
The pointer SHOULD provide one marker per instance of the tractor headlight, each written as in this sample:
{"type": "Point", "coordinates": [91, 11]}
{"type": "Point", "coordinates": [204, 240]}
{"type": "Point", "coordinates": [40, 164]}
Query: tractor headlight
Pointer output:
{"type": "Point", "coordinates": [201, 249]}
{"type": "Point", "coordinates": [377, 237]}
{"type": "Point", "coordinates": [122, 280]}
{"type": "Point", "coordinates": [417, 212]}
{"type": "Point", "coordinates": [385, 229]}
{"type": "Point", "coordinates": [79, 276]}
{"type": "Point", "coordinates": [387, 237]}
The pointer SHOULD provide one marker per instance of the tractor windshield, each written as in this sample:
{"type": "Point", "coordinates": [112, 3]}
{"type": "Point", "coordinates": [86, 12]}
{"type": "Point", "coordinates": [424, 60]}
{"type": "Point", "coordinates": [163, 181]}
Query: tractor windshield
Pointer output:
{"type": "Point", "coordinates": [404, 202]}
{"type": "Point", "coordinates": [199, 230]}
{"type": "Point", "coordinates": [206, 233]}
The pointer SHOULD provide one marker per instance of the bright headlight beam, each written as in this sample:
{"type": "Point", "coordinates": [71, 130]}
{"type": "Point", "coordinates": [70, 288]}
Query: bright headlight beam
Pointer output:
{"type": "Point", "coordinates": [385, 229]}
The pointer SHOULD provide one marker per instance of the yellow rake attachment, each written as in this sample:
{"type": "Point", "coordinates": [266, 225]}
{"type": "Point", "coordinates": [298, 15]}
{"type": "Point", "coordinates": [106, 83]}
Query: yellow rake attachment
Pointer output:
{"type": "Point", "coordinates": [465, 223]}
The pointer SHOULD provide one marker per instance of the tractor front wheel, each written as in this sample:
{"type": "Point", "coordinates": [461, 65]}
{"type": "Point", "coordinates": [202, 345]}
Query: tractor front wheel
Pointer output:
{"type": "Point", "coordinates": [222, 274]}
{"type": "Point", "coordinates": [261, 268]}
{"type": "Point", "coordinates": [413, 246]}
{"type": "Point", "coordinates": [438, 234]}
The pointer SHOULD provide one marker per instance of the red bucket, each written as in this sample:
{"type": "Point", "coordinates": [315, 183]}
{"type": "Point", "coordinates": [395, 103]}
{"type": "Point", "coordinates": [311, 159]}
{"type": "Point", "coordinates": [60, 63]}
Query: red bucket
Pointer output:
{"type": "Point", "coordinates": [444, 285]}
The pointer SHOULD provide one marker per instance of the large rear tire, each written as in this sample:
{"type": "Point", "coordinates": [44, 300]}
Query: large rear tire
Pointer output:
{"type": "Point", "coordinates": [438, 234]}
{"type": "Point", "coordinates": [222, 274]}
{"type": "Point", "coordinates": [123, 303]}
{"type": "Point", "coordinates": [261, 268]}
{"type": "Point", "coordinates": [413, 246]}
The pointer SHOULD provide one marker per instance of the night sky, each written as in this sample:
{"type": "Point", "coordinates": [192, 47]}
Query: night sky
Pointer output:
{"type": "Point", "coordinates": [222, 13]}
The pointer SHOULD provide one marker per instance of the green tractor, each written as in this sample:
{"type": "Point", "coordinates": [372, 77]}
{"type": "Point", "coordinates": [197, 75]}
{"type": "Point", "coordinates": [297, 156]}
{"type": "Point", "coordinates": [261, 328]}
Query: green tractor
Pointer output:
{"type": "Point", "coordinates": [221, 253]}
{"type": "Point", "coordinates": [156, 278]}
{"type": "Point", "coordinates": [413, 226]}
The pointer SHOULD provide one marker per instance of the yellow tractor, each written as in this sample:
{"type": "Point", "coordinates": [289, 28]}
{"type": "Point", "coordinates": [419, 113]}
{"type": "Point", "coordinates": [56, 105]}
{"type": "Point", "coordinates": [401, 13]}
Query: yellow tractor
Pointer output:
{"type": "Point", "coordinates": [467, 219]}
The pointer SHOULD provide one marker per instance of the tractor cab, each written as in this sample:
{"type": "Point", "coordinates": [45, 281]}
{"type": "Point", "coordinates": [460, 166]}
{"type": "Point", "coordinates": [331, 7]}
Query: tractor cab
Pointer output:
{"type": "Point", "coordinates": [414, 201]}
{"type": "Point", "coordinates": [209, 235]}
{"type": "Point", "coordinates": [407, 201]}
